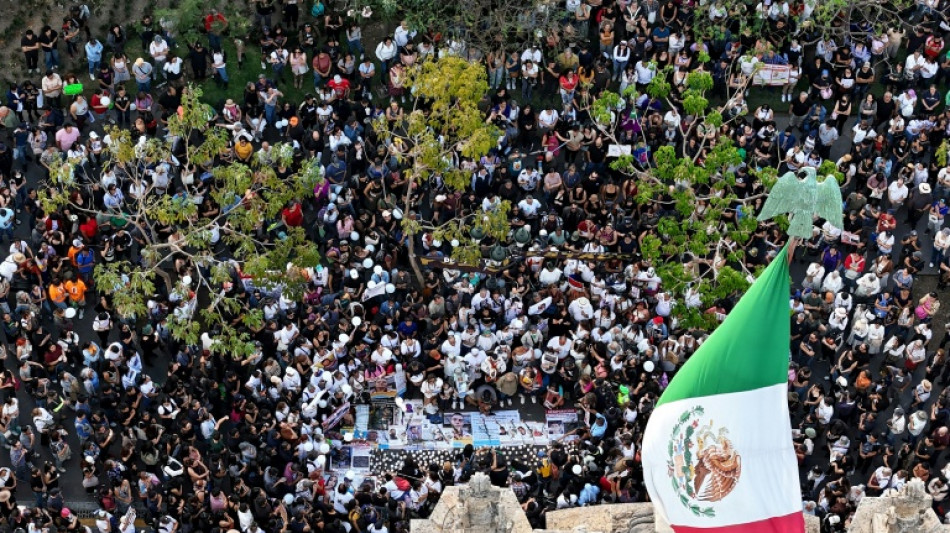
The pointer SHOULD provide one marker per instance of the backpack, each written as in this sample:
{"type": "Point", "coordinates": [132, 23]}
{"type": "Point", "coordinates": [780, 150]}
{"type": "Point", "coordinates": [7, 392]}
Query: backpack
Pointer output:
{"type": "Point", "coordinates": [402, 484]}
{"type": "Point", "coordinates": [62, 450]}
{"type": "Point", "coordinates": [317, 9]}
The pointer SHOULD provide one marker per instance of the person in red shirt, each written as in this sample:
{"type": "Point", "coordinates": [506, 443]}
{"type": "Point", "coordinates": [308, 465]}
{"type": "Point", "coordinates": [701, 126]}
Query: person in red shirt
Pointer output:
{"type": "Point", "coordinates": [568, 82]}
{"type": "Point", "coordinates": [886, 221]}
{"type": "Point", "coordinates": [853, 268]}
{"type": "Point", "coordinates": [322, 64]}
{"type": "Point", "coordinates": [292, 215]}
{"type": "Point", "coordinates": [100, 102]}
{"type": "Point", "coordinates": [89, 228]}
{"type": "Point", "coordinates": [340, 85]}
{"type": "Point", "coordinates": [215, 24]}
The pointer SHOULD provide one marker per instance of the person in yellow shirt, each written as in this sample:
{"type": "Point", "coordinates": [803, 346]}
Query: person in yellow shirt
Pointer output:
{"type": "Point", "coordinates": [57, 293]}
{"type": "Point", "coordinates": [76, 289]}
{"type": "Point", "coordinates": [243, 149]}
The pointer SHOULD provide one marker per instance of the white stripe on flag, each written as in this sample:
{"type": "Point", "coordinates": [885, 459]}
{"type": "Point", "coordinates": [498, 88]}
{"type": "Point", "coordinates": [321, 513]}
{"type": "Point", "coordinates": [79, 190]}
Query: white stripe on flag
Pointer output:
{"type": "Point", "coordinates": [757, 425]}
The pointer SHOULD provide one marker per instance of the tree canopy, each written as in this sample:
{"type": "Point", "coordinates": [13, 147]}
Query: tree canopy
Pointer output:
{"type": "Point", "coordinates": [200, 256]}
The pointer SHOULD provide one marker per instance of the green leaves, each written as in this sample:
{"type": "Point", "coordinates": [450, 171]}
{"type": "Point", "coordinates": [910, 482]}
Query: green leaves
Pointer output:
{"type": "Point", "coordinates": [445, 118]}
{"type": "Point", "coordinates": [249, 198]}
{"type": "Point", "coordinates": [696, 245]}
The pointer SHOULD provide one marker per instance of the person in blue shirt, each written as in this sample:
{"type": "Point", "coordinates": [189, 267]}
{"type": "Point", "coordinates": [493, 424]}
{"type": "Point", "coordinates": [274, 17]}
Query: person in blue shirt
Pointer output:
{"type": "Point", "coordinates": [938, 212]}
{"type": "Point", "coordinates": [588, 495]}
{"type": "Point", "coordinates": [6, 223]}
{"type": "Point", "coordinates": [85, 263]}
{"type": "Point", "coordinates": [599, 427]}
{"type": "Point", "coordinates": [93, 56]}
{"type": "Point", "coordinates": [786, 141]}
{"type": "Point", "coordinates": [83, 428]}
{"type": "Point", "coordinates": [408, 327]}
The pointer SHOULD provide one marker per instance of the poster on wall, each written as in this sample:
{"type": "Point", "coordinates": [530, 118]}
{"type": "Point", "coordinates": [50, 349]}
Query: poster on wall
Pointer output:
{"type": "Point", "coordinates": [771, 75]}
{"type": "Point", "coordinates": [561, 424]}
{"type": "Point", "coordinates": [335, 418]}
{"type": "Point", "coordinates": [458, 428]}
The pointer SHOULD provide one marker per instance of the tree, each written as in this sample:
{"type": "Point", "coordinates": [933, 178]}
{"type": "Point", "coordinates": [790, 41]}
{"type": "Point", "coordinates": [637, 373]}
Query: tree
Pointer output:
{"type": "Point", "coordinates": [845, 21]}
{"type": "Point", "coordinates": [477, 26]}
{"type": "Point", "coordinates": [443, 124]}
{"type": "Point", "coordinates": [201, 259]}
{"type": "Point", "coordinates": [700, 249]}
{"type": "Point", "coordinates": [697, 248]}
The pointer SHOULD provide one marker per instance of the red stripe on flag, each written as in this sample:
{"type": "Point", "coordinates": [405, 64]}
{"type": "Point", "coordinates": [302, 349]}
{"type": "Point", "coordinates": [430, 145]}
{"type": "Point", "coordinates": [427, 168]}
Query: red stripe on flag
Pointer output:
{"type": "Point", "coordinates": [792, 523]}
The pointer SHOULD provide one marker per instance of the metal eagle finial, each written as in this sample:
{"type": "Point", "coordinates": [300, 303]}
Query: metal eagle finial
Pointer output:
{"type": "Point", "coordinates": [802, 197]}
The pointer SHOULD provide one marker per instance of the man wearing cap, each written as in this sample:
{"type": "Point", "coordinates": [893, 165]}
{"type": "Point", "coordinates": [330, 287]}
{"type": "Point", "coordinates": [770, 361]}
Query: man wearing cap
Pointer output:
{"type": "Point", "coordinates": [920, 201]}
{"type": "Point", "coordinates": [83, 259]}
{"type": "Point", "coordinates": [340, 86]}
{"type": "Point", "coordinates": [158, 49]}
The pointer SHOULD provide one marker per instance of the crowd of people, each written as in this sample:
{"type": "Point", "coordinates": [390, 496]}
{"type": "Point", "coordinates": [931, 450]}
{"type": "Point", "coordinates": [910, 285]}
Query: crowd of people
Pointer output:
{"type": "Point", "coordinates": [195, 441]}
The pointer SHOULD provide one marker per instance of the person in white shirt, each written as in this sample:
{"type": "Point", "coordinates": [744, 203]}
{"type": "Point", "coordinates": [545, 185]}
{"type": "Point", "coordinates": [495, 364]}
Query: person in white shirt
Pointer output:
{"type": "Point", "coordinates": [451, 346]}
{"type": "Point", "coordinates": [941, 242]}
{"type": "Point", "coordinates": [167, 524]}
{"type": "Point", "coordinates": [861, 131]}
{"type": "Point", "coordinates": [645, 73]}
{"type": "Point", "coordinates": [547, 120]}
{"type": "Point", "coordinates": [529, 78]}
{"type": "Point", "coordinates": [278, 60]}
{"type": "Point", "coordinates": [529, 207]}
{"type": "Point", "coordinates": [747, 64]}
{"type": "Point", "coordinates": [914, 62]}
{"type": "Point", "coordinates": [906, 102]}
{"type": "Point", "coordinates": [403, 34]}
{"type": "Point", "coordinates": [386, 52]}
{"type": "Point", "coordinates": [532, 54]}
{"type": "Point", "coordinates": [528, 179]}
{"type": "Point", "coordinates": [621, 56]}
{"type": "Point", "coordinates": [897, 193]}
{"type": "Point", "coordinates": [832, 282]}
{"type": "Point", "coordinates": [826, 410]}
{"type": "Point", "coordinates": [885, 242]}
{"type": "Point", "coordinates": [158, 49]}
{"type": "Point", "coordinates": [549, 275]}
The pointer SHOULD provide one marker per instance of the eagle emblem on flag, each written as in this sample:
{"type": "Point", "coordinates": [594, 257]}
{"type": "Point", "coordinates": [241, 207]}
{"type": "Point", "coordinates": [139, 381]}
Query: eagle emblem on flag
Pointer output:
{"type": "Point", "coordinates": [703, 464]}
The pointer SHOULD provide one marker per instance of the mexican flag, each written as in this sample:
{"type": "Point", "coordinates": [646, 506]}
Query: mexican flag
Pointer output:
{"type": "Point", "coordinates": [717, 451]}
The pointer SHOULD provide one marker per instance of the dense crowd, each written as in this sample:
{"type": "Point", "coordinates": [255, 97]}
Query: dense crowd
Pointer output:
{"type": "Point", "coordinates": [193, 441]}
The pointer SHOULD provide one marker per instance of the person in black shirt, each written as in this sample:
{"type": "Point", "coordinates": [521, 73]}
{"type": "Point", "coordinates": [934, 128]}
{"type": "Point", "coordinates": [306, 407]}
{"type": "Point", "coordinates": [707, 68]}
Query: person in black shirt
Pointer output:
{"type": "Point", "coordinates": [30, 46]}
{"type": "Point", "coordinates": [798, 110]}
{"type": "Point", "coordinates": [198, 57]}
{"type": "Point", "coordinates": [121, 104]}
{"type": "Point", "coordinates": [885, 109]}
{"type": "Point", "coordinates": [49, 43]}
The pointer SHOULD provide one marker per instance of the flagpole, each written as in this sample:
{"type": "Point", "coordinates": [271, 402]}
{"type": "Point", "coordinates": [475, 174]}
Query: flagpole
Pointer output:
{"type": "Point", "coordinates": [792, 244]}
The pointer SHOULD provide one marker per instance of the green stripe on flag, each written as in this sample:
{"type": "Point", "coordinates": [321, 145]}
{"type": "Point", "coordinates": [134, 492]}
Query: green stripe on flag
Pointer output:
{"type": "Point", "coordinates": [749, 350]}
